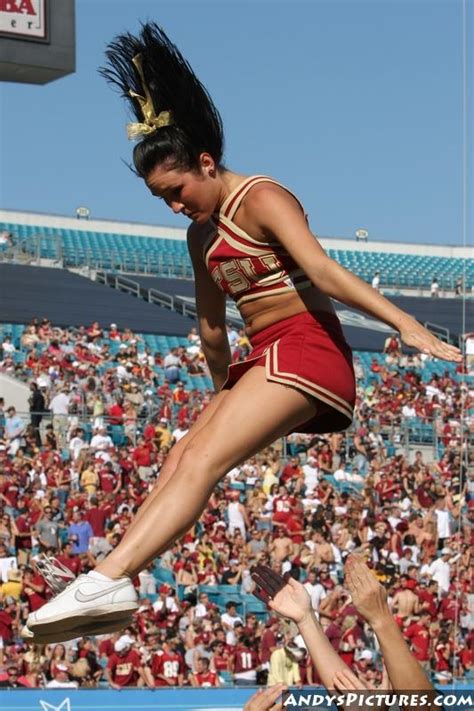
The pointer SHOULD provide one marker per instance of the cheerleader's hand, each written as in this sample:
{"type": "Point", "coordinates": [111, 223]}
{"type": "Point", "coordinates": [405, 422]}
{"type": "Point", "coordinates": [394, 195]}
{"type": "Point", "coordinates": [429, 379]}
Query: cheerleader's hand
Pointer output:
{"type": "Point", "coordinates": [369, 597]}
{"type": "Point", "coordinates": [346, 680]}
{"type": "Point", "coordinates": [285, 596]}
{"type": "Point", "coordinates": [415, 335]}
{"type": "Point", "coordinates": [264, 700]}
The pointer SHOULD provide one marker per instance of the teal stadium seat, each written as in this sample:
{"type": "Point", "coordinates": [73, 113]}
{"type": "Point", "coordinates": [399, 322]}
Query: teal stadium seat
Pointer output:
{"type": "Point", "coordinates": [169, 257]}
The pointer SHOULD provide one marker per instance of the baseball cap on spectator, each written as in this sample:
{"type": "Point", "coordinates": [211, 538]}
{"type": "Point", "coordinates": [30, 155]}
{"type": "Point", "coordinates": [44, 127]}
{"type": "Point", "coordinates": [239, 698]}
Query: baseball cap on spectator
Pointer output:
{"type": "Point", "coordinates": [295, 651]}
{"type": "Point", "coordinates": [122, 644]}
{"type": "Point", "coordinates": [366, 654]}
{"type": "Point", "coordinates": [272, 621]}
{"type": "Point", "coordinates": [446, 551]}
{"type": "Point", "coordinates": [62, 668]}
{"type": "Point", "coordinates": [127, 638]}
{"type": "Point", "coordinates": [113, 325]}
{"type": "Point", "coordinates": [164, 588]}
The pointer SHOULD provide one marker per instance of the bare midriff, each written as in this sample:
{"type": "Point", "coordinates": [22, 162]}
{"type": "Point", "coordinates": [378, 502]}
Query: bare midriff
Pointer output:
{"type": "Point", "coordinates": [267, 310]}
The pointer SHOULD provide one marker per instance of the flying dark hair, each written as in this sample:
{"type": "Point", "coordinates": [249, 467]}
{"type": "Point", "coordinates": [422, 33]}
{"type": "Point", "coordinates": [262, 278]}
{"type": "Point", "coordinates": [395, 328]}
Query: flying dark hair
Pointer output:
{"type": "Point", "coordinates": [173, 87]}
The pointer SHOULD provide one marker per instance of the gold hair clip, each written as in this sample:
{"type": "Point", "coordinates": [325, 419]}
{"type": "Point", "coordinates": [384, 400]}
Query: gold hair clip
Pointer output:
{"type": "Point", "coordinates": [151, 122]}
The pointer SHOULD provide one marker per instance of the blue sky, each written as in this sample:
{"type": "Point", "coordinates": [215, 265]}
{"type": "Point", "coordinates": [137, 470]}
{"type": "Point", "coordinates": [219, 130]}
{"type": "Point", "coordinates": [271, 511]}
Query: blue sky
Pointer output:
{"type": "Point", "coordinates": [356, 105]}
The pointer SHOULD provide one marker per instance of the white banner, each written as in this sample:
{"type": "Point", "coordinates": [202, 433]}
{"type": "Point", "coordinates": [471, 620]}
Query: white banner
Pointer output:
{"type": "Point", "coordinates": [23, 18]}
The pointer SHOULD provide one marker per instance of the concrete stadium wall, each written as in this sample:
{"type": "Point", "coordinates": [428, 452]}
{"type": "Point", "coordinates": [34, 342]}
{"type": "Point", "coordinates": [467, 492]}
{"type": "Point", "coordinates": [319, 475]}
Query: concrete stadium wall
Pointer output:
{"type": "Point", "coordinates": [14, 393]}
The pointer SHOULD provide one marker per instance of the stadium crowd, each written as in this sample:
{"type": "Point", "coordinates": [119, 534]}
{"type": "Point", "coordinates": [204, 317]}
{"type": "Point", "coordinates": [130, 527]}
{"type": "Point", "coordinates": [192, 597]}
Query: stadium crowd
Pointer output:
{"type": "Point", "coordinates": [104, 412]}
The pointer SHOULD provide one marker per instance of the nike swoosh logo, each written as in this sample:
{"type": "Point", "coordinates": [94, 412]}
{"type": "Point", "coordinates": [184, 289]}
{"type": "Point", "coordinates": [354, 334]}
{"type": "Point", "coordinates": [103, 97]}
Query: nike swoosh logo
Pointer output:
{"type": "Point", "coordinates": [85, 597]}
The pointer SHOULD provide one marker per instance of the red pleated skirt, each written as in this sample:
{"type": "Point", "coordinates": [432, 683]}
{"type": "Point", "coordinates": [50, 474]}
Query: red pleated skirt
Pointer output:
{"type": "Point", "coordinates": [308, 352]}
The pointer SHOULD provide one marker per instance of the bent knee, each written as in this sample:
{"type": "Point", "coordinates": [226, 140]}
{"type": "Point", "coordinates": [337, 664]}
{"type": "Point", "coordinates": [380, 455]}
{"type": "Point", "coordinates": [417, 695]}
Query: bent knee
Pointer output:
{"type": "Point", "coordinates": [200, 458]}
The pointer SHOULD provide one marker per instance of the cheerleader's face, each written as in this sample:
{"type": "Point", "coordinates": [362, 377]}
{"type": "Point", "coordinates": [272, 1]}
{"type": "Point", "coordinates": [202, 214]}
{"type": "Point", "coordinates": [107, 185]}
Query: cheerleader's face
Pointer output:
{"type": "Point", "coordinates": [194, 194]}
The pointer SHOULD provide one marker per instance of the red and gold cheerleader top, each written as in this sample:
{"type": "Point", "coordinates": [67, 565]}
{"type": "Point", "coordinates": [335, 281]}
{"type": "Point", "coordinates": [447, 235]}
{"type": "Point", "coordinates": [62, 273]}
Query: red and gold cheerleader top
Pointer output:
{"type": "Point", "coordinates": [243, 267]}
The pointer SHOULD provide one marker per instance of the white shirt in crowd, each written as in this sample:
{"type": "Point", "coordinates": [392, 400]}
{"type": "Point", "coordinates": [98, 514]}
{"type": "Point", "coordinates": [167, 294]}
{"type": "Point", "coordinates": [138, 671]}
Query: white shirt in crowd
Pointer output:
{"type": "Point", "coordinates": [75, 445]}
{"type": "Point", "coordinates": [229, 620]}
{"type": "Point", "coordinates": [443, 523]}
{"type": "Point", "coordinates": [101, 442]}
{"type": "Point", "coordinates": [440, 570]}
{"type": "Point", "coordinates": [59, 405]}
{"type": "Point", "coordinates": [43, 381]}
{"type": "Point", "coordinates": [8, 347]}
{"type": "Point", "coordinates": [170, 603]}
{"type": "Point", "coordinates": [311, 475]}
{"type": "Point", "coordinates": [316, 593]}
{"type": "Point", "coordinates": [341, 474]}
{"type": "Point", "coordinates": [171, 360]}
{"type": "Point", "coordinates": [55, 684]}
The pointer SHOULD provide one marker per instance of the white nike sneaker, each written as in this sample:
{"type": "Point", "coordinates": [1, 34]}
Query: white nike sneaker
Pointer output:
{"type": "Point", "coordinates": [92, 630]}
{"type": "Point", "coordinates": [88, 599]}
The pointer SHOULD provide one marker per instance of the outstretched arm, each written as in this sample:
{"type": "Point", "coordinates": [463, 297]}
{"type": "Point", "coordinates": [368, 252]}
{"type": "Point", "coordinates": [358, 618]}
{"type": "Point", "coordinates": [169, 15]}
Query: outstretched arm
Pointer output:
{"type": "Point", "coordinates": [278, 216]}
{"type": "Point", "coordinates": [290, 599]}
{"type": "Point", "coordinates": [370, 600]}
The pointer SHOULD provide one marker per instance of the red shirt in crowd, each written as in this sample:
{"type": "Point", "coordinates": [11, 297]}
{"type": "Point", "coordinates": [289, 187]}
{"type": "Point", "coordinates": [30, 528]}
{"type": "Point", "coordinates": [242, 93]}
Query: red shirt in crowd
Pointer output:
{"type": "Point", "coordinates": [24, 524]}
{"type": "Point", "coordinates": [73, 563]}
{"type": "Point", "coordinates": [107, 480]}
{"type": "Point", "coordinates": [428, 601]}
{"type": "Point", "coordinates": [208, 678]}
{"type": "Point", "coordinates": [168, 664]}
{"type": "Point", "coordinates": [441, 653]}
{"type": "Point", "coordinates": [294, 528]}
{"type": "Point", "coordinates": [6, 624]}
{"type": "Point", "coordinates": [97, 516]}
{"type": "Point", "coordinates": [142, 456]}
{"type": "Point", "coordinates": [420, 640]}
{"type": "Point", "coordinates": [124, 667]}
{"type": "Point", "coordinates": [35, 599]}
{"type": "Point", "coordinates": [245, 659]}
{"type": "Point", "coordinates": [282, 506]}
{"type": "Point", "coordinates": [116, 414]}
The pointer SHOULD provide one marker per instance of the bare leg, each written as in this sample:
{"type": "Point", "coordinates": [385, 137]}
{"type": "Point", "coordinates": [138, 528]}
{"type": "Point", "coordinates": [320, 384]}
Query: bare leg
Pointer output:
{"type": "Point", "coordinates": [172, 460]}
{"type": "Point", "coordinates": [250, 416]}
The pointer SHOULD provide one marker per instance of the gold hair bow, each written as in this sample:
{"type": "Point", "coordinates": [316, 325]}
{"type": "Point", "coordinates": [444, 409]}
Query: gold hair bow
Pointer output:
{"type": "Point", "coordinates": [151, 122]}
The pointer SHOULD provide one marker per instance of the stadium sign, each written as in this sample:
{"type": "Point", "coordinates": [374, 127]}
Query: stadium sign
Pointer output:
{"type": "Point", "coordinates": [25, 19]}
